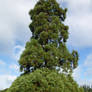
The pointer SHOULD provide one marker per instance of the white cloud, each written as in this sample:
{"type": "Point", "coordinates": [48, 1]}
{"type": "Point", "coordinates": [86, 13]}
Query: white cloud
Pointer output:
{"type": "Point", "coordinates": [6, 80]}
{"type": "Point", "coordinates": [77, 76]}
{"type": "Point", "coordinates": [14, 67]}
{"type": "Point", "coordinates": [82, 82]}
{"type": "Point", "coordinates": [2, 62]}
{"type": "Point", "coordinates": [18, 51]}
{"type": "Point", "coordinates": [88, 65]}
{"type": "Point", "coordinates": [14, 21]}
{"type": "Point", "coordinates": [83, 73]}
{"type": "Point", "coordinates": [88, 61]}
{"type": "Point", "coordinates": [79, 19]}
{"type": "Point", "coordinates": [76, 73]}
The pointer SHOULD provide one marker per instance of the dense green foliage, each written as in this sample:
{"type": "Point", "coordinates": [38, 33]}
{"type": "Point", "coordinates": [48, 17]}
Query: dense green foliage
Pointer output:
{"type": "Point", "coordinates": [47, 47]}
{"type": "Point", "coordinates": [44, 80]}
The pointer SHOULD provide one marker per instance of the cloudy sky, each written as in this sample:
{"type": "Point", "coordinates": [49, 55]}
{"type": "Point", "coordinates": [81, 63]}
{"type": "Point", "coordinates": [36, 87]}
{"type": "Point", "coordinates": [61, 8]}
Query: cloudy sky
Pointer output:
{"type": "Point", "coordinates": [14, 33]}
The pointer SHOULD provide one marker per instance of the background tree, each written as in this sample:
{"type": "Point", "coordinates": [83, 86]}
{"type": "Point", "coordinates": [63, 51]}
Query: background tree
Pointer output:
{"type": "Point", "coordinates": [47, 46]}
{"type": "Point", "coordinates": [87, 88]}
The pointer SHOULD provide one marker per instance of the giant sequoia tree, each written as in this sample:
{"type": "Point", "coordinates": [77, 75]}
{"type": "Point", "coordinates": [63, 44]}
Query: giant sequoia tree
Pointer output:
{"type": "Point", "coordinates": [46, 51]}
{"type": "Point", "coordinates": [47, 46]}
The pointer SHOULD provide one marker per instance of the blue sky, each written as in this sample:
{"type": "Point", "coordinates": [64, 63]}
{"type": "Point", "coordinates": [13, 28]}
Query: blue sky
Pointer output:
{"type": "Point", "coordinates": [14, 33]}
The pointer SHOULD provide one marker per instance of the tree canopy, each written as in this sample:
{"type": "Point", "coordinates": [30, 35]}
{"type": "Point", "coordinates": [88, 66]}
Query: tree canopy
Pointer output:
{"type": "Point", "coordinates": [47, 46]}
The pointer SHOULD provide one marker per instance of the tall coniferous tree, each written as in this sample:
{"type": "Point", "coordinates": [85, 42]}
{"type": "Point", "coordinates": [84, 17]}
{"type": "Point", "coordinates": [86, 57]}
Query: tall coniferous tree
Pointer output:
{"type": "Point", "coordinates": [47, 46]}
{"type": "Point", "coordinates": [46, 51]}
